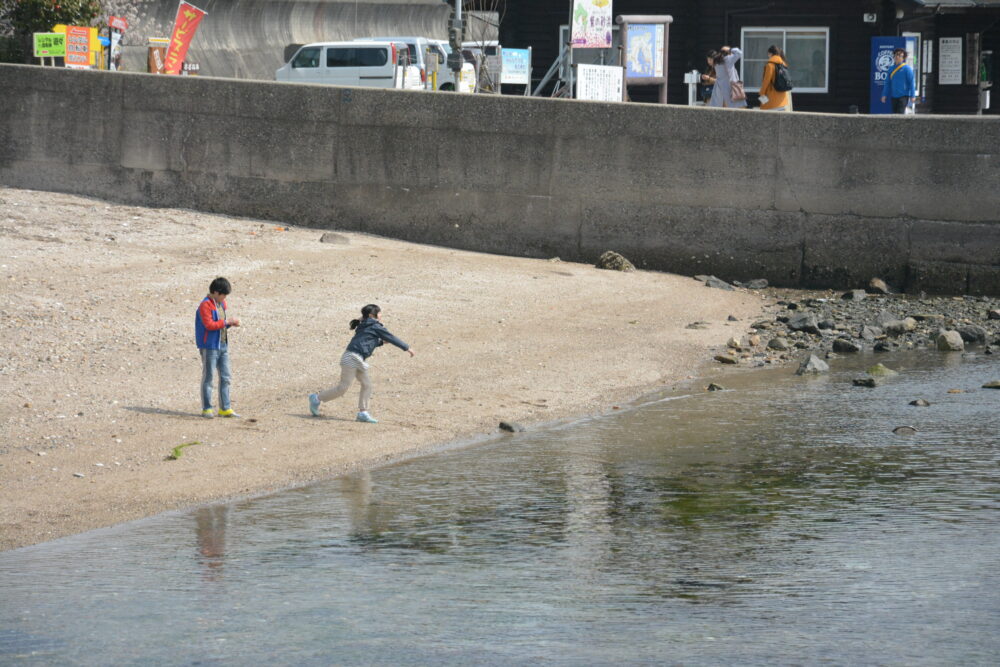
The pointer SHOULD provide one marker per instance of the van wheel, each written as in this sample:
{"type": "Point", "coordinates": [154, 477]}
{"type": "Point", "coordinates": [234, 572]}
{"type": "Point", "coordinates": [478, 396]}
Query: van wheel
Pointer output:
{"type": "Point", "coordinates": [448, 88]}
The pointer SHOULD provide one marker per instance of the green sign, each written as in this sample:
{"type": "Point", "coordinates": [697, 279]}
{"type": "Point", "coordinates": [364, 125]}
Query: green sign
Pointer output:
{"type": "Point", "coordinates": [50, 44]}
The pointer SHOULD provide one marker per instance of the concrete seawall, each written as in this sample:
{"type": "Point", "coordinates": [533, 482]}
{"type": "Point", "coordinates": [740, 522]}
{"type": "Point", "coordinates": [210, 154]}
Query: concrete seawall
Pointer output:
{"type": "Point", "coordinates": [803, 200]}
{"type": "Point", "coordinates": [246, 39]}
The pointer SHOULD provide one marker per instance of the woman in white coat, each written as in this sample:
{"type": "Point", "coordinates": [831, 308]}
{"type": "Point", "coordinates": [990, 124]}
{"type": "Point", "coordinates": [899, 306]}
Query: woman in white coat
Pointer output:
{"type": "Point", "coordinates": [724, 60]}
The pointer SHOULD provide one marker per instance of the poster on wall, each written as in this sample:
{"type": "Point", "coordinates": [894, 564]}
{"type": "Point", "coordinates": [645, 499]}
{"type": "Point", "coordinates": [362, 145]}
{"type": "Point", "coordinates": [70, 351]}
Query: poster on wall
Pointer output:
{"type": "Point", "coordinates": [591, 27]}
{"type": "Point", "coordinates": [949, 61]}
{"type": "Point", "coordinates": [599, 83]}
{"type": "Point", "coordinates": [881, 66]}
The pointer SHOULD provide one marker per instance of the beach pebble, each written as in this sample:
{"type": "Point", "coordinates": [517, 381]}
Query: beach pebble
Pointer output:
{"type": "Point", "coordinates": [845, 346]}
{"type": "Point", "coordinates": [718, 284]}
{"type": "Point", "coordinates": [878, 286]}
{"type": "Point", "coordinates": [854, 295]}
{"type": "Point", "coordinates": [813, 364]}
{"type": "Point", "coordinates": [950, 341]}
{"type": "Point", "coordinates": [777, 343]}
{"type": "Point", "coordinates": [920, 403]}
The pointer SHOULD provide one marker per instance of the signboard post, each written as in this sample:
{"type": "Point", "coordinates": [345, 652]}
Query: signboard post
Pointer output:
{"type": "Point", "coordinates": [516, 68]}
{"type": "Point", "coordinates": [589, 28]}
{"type": "Point", "coordinates": [599, 83]}
{"type": "Point", "coordinates": [50, 45]}
{"type": "Point", "coordinates": [116, 26]}
{"type": "Point", "coordinates": [881, 66]}
{"type": "Point", "coordinates": [644, 51]}
{"type": "Point", "coordinates": [157, 53]}
{"type": "Point", "coordinates": [77, 47]}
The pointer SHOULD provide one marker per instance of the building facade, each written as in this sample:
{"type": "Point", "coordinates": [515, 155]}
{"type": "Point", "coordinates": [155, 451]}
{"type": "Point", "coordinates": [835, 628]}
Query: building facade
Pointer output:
{"type": "Point", "coordinates": [828, 43]}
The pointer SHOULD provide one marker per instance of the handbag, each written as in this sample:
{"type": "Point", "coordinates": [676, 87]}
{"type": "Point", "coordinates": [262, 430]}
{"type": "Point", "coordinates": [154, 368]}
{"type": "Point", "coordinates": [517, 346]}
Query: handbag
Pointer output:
{"type": "Point", "coordinates": [736, 92]}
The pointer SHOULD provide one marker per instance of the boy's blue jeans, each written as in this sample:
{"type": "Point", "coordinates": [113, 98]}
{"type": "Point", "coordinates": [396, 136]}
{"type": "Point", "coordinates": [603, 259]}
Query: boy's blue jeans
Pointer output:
{"type": "Point", "coordinates": [210, 361]}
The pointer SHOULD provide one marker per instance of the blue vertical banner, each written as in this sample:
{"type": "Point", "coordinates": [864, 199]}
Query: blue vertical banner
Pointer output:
{"type": "Point", "coordinates": [882, 48]}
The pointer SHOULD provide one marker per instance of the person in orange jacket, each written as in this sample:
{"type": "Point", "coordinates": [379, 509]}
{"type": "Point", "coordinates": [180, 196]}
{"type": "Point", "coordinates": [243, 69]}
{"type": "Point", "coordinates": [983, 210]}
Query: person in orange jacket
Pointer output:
{"type": "Point", "coordinates": [771, 99]}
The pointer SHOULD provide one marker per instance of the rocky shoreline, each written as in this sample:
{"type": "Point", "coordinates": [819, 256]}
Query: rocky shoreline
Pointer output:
{"type": "Point", "coordinates": [807, 326]}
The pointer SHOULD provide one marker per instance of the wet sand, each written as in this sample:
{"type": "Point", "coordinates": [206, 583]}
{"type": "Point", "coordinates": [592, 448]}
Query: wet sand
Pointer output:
{"type": "Point", "coordinates": [100, 372]}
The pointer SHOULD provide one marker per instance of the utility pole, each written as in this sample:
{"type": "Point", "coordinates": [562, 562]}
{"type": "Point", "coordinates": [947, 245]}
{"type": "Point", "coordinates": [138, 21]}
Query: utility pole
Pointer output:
{"type": "Point", "coordinates": [455, 29]}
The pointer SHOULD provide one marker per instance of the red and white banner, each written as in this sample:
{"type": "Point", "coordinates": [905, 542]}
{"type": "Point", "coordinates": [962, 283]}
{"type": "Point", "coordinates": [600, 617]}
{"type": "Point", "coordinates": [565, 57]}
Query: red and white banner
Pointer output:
{"type": "Point", "coordinates": [118, 23]}
{"type": "Point", "coordinates": [188, 18]}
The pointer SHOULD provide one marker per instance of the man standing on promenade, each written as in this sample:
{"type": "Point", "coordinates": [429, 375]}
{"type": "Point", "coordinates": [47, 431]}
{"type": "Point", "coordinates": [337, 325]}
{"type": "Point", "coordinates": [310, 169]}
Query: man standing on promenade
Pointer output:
{"type": "Point", "coordinates": [900, 85]}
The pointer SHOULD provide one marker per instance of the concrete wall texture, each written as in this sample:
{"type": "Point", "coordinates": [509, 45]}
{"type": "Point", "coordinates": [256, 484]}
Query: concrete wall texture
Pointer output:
{"type": "Point", "coordinates": [804, 200]}
{"type": "Point", "coordinates": [246, 39]}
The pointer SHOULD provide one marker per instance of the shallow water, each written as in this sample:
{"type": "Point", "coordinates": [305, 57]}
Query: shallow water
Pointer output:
{"type": "Point", "coordinates": [780, 521]}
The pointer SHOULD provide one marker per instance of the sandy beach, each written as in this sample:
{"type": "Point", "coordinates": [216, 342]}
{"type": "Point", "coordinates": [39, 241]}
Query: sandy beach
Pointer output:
{"type": "Point", "coordinates": [100, 372]}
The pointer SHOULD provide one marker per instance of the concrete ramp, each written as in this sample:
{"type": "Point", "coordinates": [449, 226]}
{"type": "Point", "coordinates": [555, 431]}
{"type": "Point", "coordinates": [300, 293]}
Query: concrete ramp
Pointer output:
{"type": "Point", "coordinates": [247, 39]}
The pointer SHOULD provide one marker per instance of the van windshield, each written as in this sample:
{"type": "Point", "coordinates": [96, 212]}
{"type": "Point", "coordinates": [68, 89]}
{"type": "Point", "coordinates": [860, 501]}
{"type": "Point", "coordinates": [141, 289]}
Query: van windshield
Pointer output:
{"type": "Point", "coordinates": [344, 56]}
{"type": "Point", "coordinates": [308, 57]}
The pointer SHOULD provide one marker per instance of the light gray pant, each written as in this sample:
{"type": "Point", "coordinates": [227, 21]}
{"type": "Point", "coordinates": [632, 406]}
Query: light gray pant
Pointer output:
{"type": "Point", "coordinates": [351, 366]}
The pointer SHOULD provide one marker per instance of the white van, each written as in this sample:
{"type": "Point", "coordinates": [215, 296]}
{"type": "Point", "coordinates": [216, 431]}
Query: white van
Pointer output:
{"type": "Point", "coordinates": [375, 64]}
{"type": "Point", "coordinates": [418, 48]}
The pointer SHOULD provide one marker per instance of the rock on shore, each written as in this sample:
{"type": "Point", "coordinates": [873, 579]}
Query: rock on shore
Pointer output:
{"type": "Point", "coordinates": [828, 323]}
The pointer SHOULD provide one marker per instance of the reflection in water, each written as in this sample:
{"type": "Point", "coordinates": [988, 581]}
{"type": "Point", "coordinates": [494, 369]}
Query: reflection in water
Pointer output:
{"type": "Point", "coordinates": [782, 521]}
{"type": "Point", "coordinates": [210, 523]}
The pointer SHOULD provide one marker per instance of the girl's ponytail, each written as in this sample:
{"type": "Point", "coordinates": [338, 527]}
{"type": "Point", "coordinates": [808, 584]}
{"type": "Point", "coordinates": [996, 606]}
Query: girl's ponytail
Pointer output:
{"type": "Point", "coordinates": [371, 310]}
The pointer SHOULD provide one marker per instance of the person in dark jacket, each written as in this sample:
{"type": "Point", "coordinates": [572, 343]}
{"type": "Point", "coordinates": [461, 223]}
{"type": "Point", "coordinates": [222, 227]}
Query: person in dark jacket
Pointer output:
{"type": "Point", "coordinates": [369, 333]}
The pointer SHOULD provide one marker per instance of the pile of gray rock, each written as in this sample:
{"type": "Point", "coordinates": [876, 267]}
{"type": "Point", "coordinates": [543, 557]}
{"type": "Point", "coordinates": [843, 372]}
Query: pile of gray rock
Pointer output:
{"type": "Point", "coordinates": [827, 324]}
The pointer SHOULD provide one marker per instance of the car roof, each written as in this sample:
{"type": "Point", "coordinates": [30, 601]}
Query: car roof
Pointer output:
{"type": "Point", "coordinates": [376, 42]}
{"type": "Point", "coordinates": [393, 39]}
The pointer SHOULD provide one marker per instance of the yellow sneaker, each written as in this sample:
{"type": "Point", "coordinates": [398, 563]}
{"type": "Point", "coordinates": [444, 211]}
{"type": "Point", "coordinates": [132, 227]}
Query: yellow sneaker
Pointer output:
{"type": "Point", "coordinates": [228, 413]}
{"type": "Point", "coordinates": [208, 414]}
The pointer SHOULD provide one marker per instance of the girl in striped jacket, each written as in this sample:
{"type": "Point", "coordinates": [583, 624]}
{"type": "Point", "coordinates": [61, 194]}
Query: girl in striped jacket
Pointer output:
{"type": "Point", "coordinates": [369, 333]}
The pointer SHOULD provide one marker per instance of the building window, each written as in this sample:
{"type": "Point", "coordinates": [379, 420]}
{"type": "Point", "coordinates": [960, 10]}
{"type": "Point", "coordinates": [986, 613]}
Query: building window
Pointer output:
{"type": "Point", "coordinates": [806, 49]}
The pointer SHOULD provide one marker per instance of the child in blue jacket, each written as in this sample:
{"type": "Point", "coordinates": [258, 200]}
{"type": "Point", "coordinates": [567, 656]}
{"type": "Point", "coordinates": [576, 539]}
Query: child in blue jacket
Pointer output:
{"type": "Point", "coordinates": [210, 334]}
{"type": "Point", "coordinates": [369, 333]}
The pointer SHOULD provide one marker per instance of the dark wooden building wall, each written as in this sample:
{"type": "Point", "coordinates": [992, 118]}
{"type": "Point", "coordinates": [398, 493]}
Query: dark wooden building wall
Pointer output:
{"type": "Point", "coordinates": [703, 24]}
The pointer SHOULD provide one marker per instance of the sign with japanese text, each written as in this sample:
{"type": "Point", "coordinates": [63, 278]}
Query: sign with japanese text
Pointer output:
{"type": "Point", "coordinates": [188, 18]}
{"type": "Point", "coordinates": [50, 45]}
{"type": "Point", "coordinates": [591, 27]}
{"type": "Point", "coordinates": [118, 23]}
{"type": "Point", "coordinates": [516, 66]}
{"type": "Point", "coordinates": [949, 61]}
{"type": "Point", "coordinates": [77, 46]}
{"type": "Point", "coordinates": [599, 83]}
{"type": "Point", "coordinates": [115, 61]}
{"type": "Point", "coordinates": [157, 52]}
